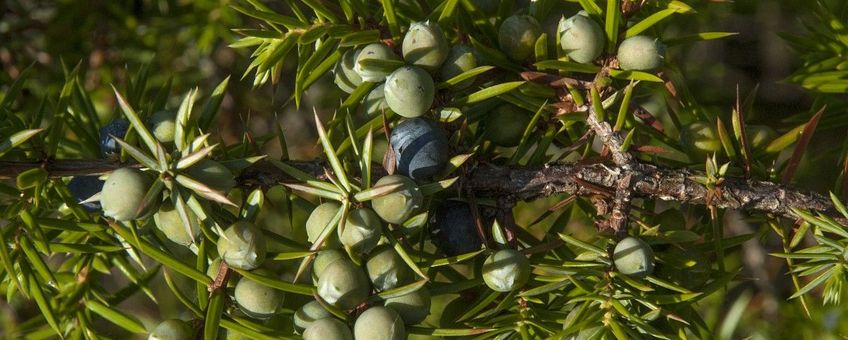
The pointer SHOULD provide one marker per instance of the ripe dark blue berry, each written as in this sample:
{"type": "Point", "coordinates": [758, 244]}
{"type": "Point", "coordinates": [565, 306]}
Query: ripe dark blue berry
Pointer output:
{"type": "Point", "coordinates": [83, 187]}
{"type": "Point", "coordinates": [108, 146]}
{"type": "Point", "coordinates": [421, 148]}
{"type": "Point", "coordinates": [453, 229]}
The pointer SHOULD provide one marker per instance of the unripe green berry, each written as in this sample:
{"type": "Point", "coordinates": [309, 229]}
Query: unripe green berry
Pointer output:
{"type": "Point", "coordinates": [460, 59]}
{"type": "Point", "coordinates": [506, 270]}
{"type": "Point", "coordinates": [373, 51]}
{"type": "Point", "coordinates": [213, 174]}
{"type": "Point", "coordinates": [242, 246]}
{"type": "Point", "coordinates": [409, 91]}
{"type": "Point", "coordinates": [319, 219]}
{"type": "Point", "coordinates": [641, 53]}
{"type": "Point", "coordinates": [309, 313]}
{"type": "Point", "coordinates": [386, 269]}
{"type": "Point", "coordinates": [505, 125]}
{"type": "Point", "coordinates": [162, 125]}
{"type": "Point", "coordinates": [413, 307]}
{"type": "Point", "coordinates": [374, 103]}
{"type": "Point", "coordinates": [362, 230]}
{"type": "Point", "coordinates": [581, 37]}
{"type": "Point", "coordinates": [445, 309]}
{"type": "Point", "coordinates": [168, 220]}
{"type": "Point", "coordinates": [633, 257]}
{"type": "Point", "coordinates": [343, 284]}
{"type": "Point", "coordinates": [398, 206]}
{"type": "Point", "coordinates": [327, 329]}
{"type": "Point", "coordinates": [379, 323]}
{"type": "Point", "coordinates": [517, 36]}
{"type": "Point", "coordinates": [172, 329]}
{"type": "Point", "coordinates": [759, 136]}
{"type": "Point", "coordinates": [345, 77]}
{"type": "Point", "coordinates": [214, 268]}
{"type": "Point", "coordinates": [425, 46]}
{"type": "Point", "coordinates": [325, 258]}
{"type": "Point", "coordinates": [123, 194]}
{"type": "Point", "coordinates": [257, 300]}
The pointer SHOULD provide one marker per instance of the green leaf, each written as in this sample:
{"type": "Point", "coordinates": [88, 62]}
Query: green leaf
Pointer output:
{"type": "Point", "coordinates": [333, 195]}
{"type": "Point", "coordinates": [634, 75]}
{"type": "Point", "coordinates": [381, 65]}
{"type": "Point", "coordinates": [214, 311]}
{"type": "Point", "coordinates": [611, 24]}
{"type": "Point", "coordinates": [271, 18]}
{"type": "Point", "coordinates": [180, 296]}
{"type": "Point", "coordinates": [584, 245]}
{"type": "Point", "coordinates": [116, 317]}
{"type": "Point", "coordinates": [182, 120]}
{"type": "Point", "coordinates": [194, 157]}
{"type": "Point", "coordinates": [703, 36]}
{"type": "Point", "coordinates": [253, 205]}
{"type": "Point", "coordinates": [544, 289]}
{"type": "Point", "coordinates": [400, 291]}
{"type": "Point", "coordinates": [203, 190]}
{"type": "Point", "coordinates": [330, 152]}
{"type": "Point", "coordinates": [378, 191]}
{"type": "Point", "coordinates": [138, 155]}
{"type": "Point", "coordinates": [454, 163]}
{"type": "Point", "coordinates": [459, 78]}
{"type": "Point", "coordinates": [488, 92]}
{"type": "Point", "coordinates": [31, 178]}
{"type": "Point", "coordinates": [296, 288]}
{"type": "Point", "coordinates": [250, 333]}
{"type": "Point", "coordinates": [12, 92]}
{"type": "Point", "coordinates": [43, 303]}
{"type": "Point", "coordinates": [432, 188]}
{"type": "Point", "coordinates": [567, 66]}
{"type": "Point", "coordinates": [646, 23]}
{"type": "Point", "coordinates": [450, 260]}
{"type": "Point", "coordinates": [8, 143]}
{"type": "Point", "coordinates": [667, 285]}
{"type": "Point", "coordinates": [161, 256]}
{"type": "Point", "coordinates": [210, 110]}
{"type": "Point", "coordinates": [391, 18]}
{"type": "Point", "coordinates": [590, 7]}
{"type": "Point", "coordinates": [448, 9]}
{"type": "Point", "coordinates": [404, 255]}
{"type": "Point", "coordinates": [136, 122]}
{"type": "Point", "coordinates": [304, 177]}
{"type": "Point", "coordinates": [37, 262]}
{"type": "Point", "coordinates": [360, 38]}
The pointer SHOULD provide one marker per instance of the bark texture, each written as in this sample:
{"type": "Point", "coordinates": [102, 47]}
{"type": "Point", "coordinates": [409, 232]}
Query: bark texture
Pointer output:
{"type": "Point", "coordinates": [527, 183]}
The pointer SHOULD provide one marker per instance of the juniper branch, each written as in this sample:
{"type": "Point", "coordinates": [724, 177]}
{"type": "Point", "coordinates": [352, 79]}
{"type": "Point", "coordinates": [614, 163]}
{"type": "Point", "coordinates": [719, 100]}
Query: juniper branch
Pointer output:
{"type": "Point", "coordinates": [532, 182]}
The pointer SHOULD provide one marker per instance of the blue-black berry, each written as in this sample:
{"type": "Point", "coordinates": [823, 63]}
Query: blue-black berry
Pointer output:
{"type": "Point", "coordinates": [453, 229]}
{"type": "Point", "coordinates": [421, 148]}
{"type": "Point", "coordinates": [83, 187]}
{"type": "Point", "coordinates": [108, 146]}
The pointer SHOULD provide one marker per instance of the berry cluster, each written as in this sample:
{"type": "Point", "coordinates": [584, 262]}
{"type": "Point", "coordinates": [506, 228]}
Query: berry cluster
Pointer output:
{"type": "Point", "coordinates": [354, 259]}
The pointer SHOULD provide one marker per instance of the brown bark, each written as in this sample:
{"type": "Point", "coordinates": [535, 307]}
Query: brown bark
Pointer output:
{"type": "Point", "coordinates": [527, 183]}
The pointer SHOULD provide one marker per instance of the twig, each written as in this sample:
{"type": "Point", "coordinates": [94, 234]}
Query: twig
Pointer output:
{"type": "Point", "coordinates": [531, 182]}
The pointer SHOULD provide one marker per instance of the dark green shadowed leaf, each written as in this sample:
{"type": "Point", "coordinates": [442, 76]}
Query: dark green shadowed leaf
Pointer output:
{"type": "Point", "coordinates": [214, 311]}
{"type": "Point", "coordinates": [116, 317]}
